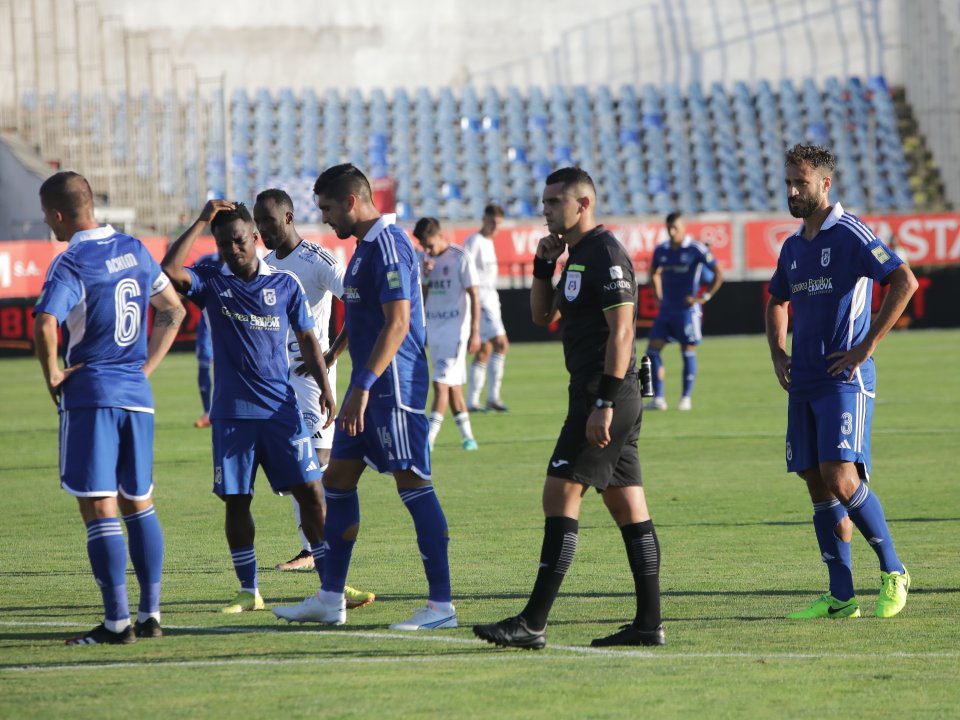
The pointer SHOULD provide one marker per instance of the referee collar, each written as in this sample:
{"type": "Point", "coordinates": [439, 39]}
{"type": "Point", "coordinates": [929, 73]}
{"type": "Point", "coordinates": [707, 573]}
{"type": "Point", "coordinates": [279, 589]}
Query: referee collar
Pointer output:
{"type": "Point", "coordinates": [379, 226]}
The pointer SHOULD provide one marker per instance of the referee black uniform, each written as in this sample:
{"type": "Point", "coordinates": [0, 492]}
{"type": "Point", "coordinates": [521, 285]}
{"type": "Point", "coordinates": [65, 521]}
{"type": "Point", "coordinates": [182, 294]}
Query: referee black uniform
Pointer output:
{"type": "Point", "coordinates": [598, 276]}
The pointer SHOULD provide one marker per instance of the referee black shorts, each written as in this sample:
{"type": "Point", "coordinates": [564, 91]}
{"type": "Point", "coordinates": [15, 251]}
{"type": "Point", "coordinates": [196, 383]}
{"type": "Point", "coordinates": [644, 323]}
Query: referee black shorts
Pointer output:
{"type": "Point", "coordinates": [617, 464]}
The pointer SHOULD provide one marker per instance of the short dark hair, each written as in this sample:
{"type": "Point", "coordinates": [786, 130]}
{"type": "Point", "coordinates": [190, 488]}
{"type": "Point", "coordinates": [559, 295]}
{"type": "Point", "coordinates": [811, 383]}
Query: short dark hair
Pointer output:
{"type": "Point", "coordinates": [280, 197]}
{"type": "Point", "coordinates": [426, 227]}
{"type": "Point", "coordinates": [494, 209]}
{"type": "Point", "coordinates": [817, 157]}
{"type": "Point", "coordinates": [224, 217]}
{"type": "Point", "coordinates": [67, 192]}
{"type": "Point", "coordinates": [341, 180]}
{"type": "Point", "coordinates": [570, 176]}
{"type": "Point", "coordinates": [673, 217]}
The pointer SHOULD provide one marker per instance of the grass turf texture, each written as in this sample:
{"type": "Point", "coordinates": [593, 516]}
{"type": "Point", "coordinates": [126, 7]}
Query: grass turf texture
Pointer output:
{"type": "Point", "coordinates": [738, 553]}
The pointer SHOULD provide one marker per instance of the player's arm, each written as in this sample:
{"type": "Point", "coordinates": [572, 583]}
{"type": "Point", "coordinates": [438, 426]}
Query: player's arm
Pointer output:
{"type": "Point", "coordinates": [718, 279]}
{"type": "Point", "coordinates": [168, 314]}
{"type": "Point", "coordinates": [544, 301]}
{"type": "Point", "coordinates": [473, 302]}
{"type": "Point", "coordinates": [175, 260]}
{"type": "Point", "coordinates": [336, 348]}
{"type": "Point", "coordinates": [45, 344]}
{"type": "Point", "coordinates": [616, 360]}
{"type": "Point", "coordinates": [657, 285]}
{"type": "Point", "coordinates": [903, 285]}
{"type": "Point", "coordinates": [776, 319]}
{"type": "Point", "coordinates": [316, 365]}
{"type": "Point", "coordinates": [396, 314]}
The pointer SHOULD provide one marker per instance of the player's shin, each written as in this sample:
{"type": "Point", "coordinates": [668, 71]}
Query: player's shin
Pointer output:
{"type": "Point", "coordinates": [560, 535]}
{"type": "Point", "coordinates": [107, 551]}
{"type": "Point", "coordinates": [433, 538]}
{"type": "Point", "coordinates": [340, 534]}
{"type": "Point", "coordinates": [656, 369]}
{"type": "Point", "coordinates": [867, 514]}
{"type": "Point", "coordinates": [146, 553]}
{"type": "Point", "coordinates": [834, 552]}
{"type": "Point", "coordinates": [643, 553]}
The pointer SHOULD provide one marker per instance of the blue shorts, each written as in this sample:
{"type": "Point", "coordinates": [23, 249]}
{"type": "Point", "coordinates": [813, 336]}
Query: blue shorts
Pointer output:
{"type": "Point", "coordinates": [835, 426]}
{"type": "Point", "coordinates": [392, 440]}
{"type": "Point", "coordinates": [682, 326]}
{"type": "Point", "coordinates": [280, 445]}
{"type": "Point", "coordinates": [104, 451]}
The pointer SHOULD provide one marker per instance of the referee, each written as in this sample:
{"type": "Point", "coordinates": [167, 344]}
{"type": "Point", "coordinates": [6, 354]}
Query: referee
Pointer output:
{"type": "Point", "coordinates": [597, 447]}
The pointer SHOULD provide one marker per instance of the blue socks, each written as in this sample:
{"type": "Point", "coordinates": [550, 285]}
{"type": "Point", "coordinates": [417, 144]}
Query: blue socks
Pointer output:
{"type": "Point", "coordinates": [146, 552]}
{"type": "Point", "coordinates": [656, 369]}
{"type": "Point", "coordinates": [107, 550]}
{"type": "Point", "coordinates": [206, 387]}
{"type": "Point", "coordinates": [689, 371]}
{"type": "Point", "coordinates": [867, 514]}
{"type": "Point", "coordinates": [833, 551]}
{"type": "Point", "coordinates": [245, 565]}
{"type": "Point", "coordinates": [343, 512]}
{"type": "Point", "coordinates": [432, 538]}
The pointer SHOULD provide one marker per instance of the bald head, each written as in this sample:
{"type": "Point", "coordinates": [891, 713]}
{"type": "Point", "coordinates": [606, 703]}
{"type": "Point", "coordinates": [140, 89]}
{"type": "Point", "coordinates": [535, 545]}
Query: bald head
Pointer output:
{"type": "Point", "coordinates": [69, 194]}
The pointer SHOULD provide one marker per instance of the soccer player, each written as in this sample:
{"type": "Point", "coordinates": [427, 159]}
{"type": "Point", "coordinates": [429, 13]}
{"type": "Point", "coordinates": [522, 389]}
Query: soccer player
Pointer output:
{"type": "Point", "coordinates": [254, 413]}
{"type": "Point", "coordinates": [100, 289]}
{"type": "Point", "coordinates": [675, 275]}
{"type": "Point", "coordinates": [452, 305]}
{"type": "Point", "coordinates": [382, 422]}
{"type": "Point", "coordinates": [321, 276]}
{"type": "Point", "coordinates": [597, 446]}
{"type": "Point", "coordinates": [826, 271]}
{"type": "Point", "coordinates": [204, 350]}
{"type": "Point", "coordinates": [489, 361]}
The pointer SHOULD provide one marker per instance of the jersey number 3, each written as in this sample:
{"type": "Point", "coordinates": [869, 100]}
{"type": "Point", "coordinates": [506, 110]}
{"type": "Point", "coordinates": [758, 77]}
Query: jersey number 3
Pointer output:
{"type": "Point", "coordinates": [127, 328]}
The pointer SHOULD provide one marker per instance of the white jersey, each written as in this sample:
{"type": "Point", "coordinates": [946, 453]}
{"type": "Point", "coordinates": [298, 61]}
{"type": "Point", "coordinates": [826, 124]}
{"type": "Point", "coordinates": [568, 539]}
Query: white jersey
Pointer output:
{"type": "Point", "coordinates": [483, 254]}
{"type": "Point", "coordinates": [321, 275]}
{"type": "Point", "coordinates": [447, 307]}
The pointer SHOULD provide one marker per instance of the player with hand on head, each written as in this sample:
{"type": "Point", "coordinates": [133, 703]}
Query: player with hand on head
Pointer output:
{"type": "Point", "coordinates": [254, 415]}
{"type": "Point", "coordinates": [100, 289]}
{"type": "Point", "coordinates": [597, 446]}
{"type": "Point", "coordinates": [676, 271]}
{"type": "Point", "coordinates": [488, 363]}
{"type": "Point", "coordinates": [452, 307]}
{"type": "Point", "coordinates": [321, 276]}
{"type": "Point", "coordinates": [826, 271]}
{"type": "Point", "coordinates": [382, 422]}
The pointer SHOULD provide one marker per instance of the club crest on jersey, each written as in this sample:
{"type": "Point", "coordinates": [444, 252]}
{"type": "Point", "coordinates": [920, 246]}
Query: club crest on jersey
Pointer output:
{"type": "Point", "coordinates": [572, 287]}
{"type": "Point", "coordinates": [269, 296]}
{"type": "Point", "coordinates": [825, 257]}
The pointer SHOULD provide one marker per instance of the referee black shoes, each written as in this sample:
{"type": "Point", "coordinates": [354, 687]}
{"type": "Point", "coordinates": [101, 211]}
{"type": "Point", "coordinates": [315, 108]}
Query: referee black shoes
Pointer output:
{"type": "Point", "coordinates": [631, 635]}
{"type": "Point", "coordinates": [512, 632]}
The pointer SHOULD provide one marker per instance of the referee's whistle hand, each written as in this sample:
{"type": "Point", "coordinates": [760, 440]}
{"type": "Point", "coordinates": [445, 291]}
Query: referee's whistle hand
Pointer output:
{"type": "Point", "coordinates": [598, 427]}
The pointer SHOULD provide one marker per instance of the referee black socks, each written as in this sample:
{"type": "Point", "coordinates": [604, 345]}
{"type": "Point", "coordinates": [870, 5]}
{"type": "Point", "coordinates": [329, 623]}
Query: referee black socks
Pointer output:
{"type": "Point", "coordinates": [556, 556]}
{"type": "Point", "coordinates": [643, 552]}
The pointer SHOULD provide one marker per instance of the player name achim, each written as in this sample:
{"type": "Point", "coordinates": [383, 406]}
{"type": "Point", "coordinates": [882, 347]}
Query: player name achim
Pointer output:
{"type": "Point", "coordinates": [257, 322]}
{"type": "Point", "coordinates": [124, 262]}
{"type": "Point", "coordinates": [813, 286]}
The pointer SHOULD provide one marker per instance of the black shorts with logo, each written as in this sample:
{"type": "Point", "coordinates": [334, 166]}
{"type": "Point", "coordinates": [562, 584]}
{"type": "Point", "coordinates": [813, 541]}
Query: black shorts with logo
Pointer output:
{"type": "Point", "coordinates": [616, 465]}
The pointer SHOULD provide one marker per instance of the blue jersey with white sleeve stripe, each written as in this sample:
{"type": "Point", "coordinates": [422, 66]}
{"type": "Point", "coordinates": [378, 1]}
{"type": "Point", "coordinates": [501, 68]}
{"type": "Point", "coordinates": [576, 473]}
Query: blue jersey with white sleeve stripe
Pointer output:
{"type": "Point", "coordinates": [249, 321]}
{"type": "Point", "coordinates": [99, 288]}
{"type": "Point", "coordinates": [829, 282]}
{"type": "Point", "coordinates": [384, 268]}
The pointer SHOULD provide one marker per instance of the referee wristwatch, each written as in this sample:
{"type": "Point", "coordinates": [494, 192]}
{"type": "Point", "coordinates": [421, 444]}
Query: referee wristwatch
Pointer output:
{"type": "Point", "coordinates": [600, 403]}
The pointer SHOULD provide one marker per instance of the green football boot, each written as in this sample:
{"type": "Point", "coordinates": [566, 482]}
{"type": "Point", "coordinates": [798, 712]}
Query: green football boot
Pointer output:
{"type": "Point", "coordinates": [827, 606]}
{"type": "Point", "coordinates": [893, 593]}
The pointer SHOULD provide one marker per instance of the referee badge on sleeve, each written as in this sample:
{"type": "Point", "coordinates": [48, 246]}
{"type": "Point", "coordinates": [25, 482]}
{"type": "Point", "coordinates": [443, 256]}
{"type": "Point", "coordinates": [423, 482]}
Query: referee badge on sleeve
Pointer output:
{"type": "Point", "coordinates": [572, 287]}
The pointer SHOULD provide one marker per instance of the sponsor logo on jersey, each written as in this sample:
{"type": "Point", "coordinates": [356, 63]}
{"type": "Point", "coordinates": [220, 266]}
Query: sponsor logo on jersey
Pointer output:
{"type": "Point", "coordinates": [617, 285]}
{"type": "Point", "coordinates": [813, 286]}
{"type": "Point", "coordinates": [351, 294]}
{"type": "Point", "coordinates": [124, 262]}
{"type": "Point", "coordinates": [572, 287]}
{"type": "Point", "coordinates": [616, 272]}
{"type": "Point", "coordinates": [269, 296]}
{"type": "Point", "coordinates": [880, 254]}
{"type": "Point", "coordinates": [256, 322]}
{"type": "Point", "coordinates": [443, 314]}
{"type": "Point", "coordinates": [825, 257]}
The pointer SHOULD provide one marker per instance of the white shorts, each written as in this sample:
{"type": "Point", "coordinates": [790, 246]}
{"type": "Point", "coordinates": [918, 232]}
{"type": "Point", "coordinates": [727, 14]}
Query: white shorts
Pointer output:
{"type": "Point", "coordinates": [449, 363]}
{"type": "Point", "coordinates": [308, 398]}
{"type": "Point", "coordinates": [491, 323]}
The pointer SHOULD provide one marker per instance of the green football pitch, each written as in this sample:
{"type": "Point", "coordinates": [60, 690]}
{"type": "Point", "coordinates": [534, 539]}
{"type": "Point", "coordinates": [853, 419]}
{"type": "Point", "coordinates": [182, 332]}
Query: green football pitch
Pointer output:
{"type": "Point", "coordinates": [738, 553]}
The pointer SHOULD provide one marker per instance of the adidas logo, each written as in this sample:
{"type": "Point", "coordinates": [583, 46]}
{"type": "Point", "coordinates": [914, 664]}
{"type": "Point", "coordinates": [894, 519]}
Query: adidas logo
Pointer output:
{"type": "Point", "coordinates": [226, 293]}
{"type": "Point", "coordinates": [844, 445]}
{"type": "Point", "coordinates": [794, 265]}
{"type": "Point", "coordinates": [311, 466]}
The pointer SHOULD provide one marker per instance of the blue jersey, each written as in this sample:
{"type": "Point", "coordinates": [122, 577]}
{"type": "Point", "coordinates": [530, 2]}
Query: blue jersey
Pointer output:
{"type": "Point", "coordinates": [829, 282]}
{"type": "Point", "coordinates": [248, 325]}
{"type": "Point", "coordinates": [100, 289]}
{"type": "Point", "coordinates": [384, 268]}
{"type": "Point", "coordinates": [681, 268]}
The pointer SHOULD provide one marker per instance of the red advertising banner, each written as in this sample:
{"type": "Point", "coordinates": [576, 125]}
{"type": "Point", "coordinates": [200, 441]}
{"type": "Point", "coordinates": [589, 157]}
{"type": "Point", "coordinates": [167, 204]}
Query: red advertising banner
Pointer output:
{"type": "Point", "coordinates": [920, 239]}
{"type": "Point", "coordinates": [24, 263]}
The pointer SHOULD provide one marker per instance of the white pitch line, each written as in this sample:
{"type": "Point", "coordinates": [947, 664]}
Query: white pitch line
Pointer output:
{"type": "Point", "coordinates": [370, 635]}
